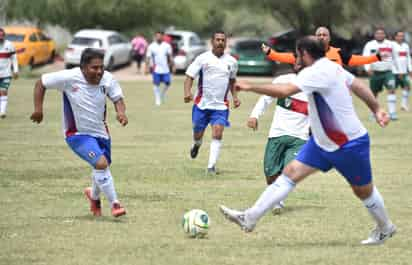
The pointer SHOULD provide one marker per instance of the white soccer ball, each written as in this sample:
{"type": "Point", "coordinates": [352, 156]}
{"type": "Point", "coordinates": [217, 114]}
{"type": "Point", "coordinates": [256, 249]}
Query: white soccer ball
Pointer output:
{"type": "Point", "coordinates": [196, 223]}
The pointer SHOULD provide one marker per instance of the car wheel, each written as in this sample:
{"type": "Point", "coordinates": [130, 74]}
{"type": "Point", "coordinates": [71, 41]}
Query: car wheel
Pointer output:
{"type": "Point", "coordinates": [110, 66]}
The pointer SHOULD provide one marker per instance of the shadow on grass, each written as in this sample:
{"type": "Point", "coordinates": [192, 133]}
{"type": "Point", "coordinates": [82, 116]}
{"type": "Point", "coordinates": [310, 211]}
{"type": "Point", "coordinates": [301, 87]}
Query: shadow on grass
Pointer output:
{"type": "Point", "coordinates": [84, 218]}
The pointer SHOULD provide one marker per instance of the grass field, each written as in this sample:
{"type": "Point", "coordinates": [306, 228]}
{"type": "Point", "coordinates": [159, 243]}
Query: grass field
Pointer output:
{"type": "Point", "coordinates": [45, 218]}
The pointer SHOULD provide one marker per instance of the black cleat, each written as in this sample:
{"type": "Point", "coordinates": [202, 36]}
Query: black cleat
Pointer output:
{"type": "Point", "coordinates": [194, 151]}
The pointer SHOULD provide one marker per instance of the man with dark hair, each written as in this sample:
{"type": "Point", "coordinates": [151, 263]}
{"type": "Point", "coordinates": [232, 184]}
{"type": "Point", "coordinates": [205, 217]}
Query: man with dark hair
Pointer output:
{"type": "Point", "coordinates": [380, 73]}
{"type": "Point", "coordinates": [334, 54]}
{"type": "Point", "coordinates": [9, 68]}
{"type": "Point", "coordinates": [159, 61]}
{"type": "Point", "coordinates": [84, 92]}
{"type": "Point", "coordinates": [217, 74]}
{"type": "Point", "coordinates": [339, 140]}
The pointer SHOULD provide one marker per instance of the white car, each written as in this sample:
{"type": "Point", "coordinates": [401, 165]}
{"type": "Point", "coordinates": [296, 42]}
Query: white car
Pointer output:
{"type": "Point", "coordinates": [118, 50]}
{"type": "Point", "coordinates": [186, 46]}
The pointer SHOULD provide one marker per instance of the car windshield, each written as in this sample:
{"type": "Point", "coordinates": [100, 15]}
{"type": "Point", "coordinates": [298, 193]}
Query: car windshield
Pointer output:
{"type": "Point", "coordinates": [89, 42]}
{"type": "Point", "coordinates": [176, 42]}
{"type": "Point", "coordinates": [15, 37]}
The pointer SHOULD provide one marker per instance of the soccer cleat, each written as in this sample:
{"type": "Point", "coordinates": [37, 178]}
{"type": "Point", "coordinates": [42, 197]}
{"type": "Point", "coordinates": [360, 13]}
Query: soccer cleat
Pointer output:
{"type": "Point", "coordinates": [3, 115]}
{"type": "Point", "coordinates": [194, 151]}
{"type": "Point", "coordinates": [95, 205]}
{"type": "Point", "coordinates": [238, 218]}
{"type": "Point", "coordinates": [379, 236]}
{"type": "Point", "coordinates": [405, 108]}
{"type": "Point", "coordinates": [278, 208]}
{"type": "Point", "coordinates": [212, 171]}
{"type": "Point", "coordinates": [118, 210]}
{"type": "Point", "coordinates": [393, 116]}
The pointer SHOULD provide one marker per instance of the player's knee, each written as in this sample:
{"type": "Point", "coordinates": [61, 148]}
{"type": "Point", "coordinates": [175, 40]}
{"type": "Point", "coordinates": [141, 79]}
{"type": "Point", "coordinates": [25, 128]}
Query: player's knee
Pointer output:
{"type": "Point", "coordinates": [102, 163]}
{"type": "Point", "coordinates": [363, 192]}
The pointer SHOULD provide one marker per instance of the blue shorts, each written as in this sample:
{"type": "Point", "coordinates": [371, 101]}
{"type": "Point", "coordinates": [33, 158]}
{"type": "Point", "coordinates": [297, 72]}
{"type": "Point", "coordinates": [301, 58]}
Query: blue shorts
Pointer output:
{"type": "Point", "coordinates": [201, 118]}
{"type": "Point", "coordinates": [352, 160]}
{"type": "Point", "coordinates": [158, 78]}
{"type": "Point", "coordinates": [90, 148]}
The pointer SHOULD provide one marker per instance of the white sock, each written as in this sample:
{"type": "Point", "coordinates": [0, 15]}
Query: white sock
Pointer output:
{"type": "Point", "coordinates": [197, 142]}
{"type": "Point", "coordinates": [104, 180]}
{"type": "Point", "coordinates": [3, 104]}
{"type": "Point", "coordinates": [391, 99]}
{"type": "Point", "coordinates": [272, 195]}
{"type": "Point", "coordinates": [156, 91]}
{"type": "Point", "coordinates": [214, 152]}
{"type": "Point", "coordinates": [163, 93]}
{"type": "Point", "coordinates": [405, 98]}
{"type": "Point", "coordinates": [95, 188]}
{"type": "Point", "coordinates": [376, 208]}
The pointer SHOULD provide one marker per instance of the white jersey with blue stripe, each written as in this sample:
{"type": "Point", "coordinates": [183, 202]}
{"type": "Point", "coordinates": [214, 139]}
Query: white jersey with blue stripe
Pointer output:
{"type": "Point", "coordinates": [214, 75]}
{"type": "Point", "coordinates": [333, 119]}
{"type": "Point", "coordinates": [84, 105]}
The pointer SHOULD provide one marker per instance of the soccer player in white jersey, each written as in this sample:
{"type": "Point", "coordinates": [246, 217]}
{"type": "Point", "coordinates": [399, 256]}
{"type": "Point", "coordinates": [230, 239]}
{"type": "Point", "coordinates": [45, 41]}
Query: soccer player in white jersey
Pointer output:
{"type": "Point", "coordinates": [84, 92]}
{"type": "Point", "coordinates": [338, 140]}
{"type": "Point", "coordinates": [160, 61]}
{"type": "Point", "coordinates": [216, 71]}
{"type": "Point", "coordinates": [403, 58]}
{"type": "Point", "coordinates": [289, 130]}
{"type": "Point", "coordinates": [8, 68]}
{"type": "Point", "coordinates": [380, 73]}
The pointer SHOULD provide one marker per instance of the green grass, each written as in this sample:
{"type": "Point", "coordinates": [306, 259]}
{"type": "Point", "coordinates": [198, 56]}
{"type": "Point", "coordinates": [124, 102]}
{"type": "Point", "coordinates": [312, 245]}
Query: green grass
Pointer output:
{"type": "Point", "coordinates": [45, 219]}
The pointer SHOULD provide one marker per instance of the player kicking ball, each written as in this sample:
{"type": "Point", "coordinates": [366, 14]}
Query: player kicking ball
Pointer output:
{"type": "Point", "coordinates": [338, 140]}
{"type": "Point", "coordinates": [84, 90]}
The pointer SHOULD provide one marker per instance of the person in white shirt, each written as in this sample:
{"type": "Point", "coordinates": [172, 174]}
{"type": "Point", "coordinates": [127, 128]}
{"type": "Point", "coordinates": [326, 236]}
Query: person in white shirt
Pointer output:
{"type": "Point", "coordinates": [289, 130]}
{"type": "Point", "coordinates": [160, 61]}
{"type": "Point", "coordinates": [380, 73]}
{"type": "Point", "coordinates": [9, 68]}
{"type": "Point", "coordinates": [216, 71]}
{"type": "Point", "coordinates": [402, 72]}
{"type": "Point", "coordinates": [339, 140]}
{"type": "Point", "coordinates": [84, 92]}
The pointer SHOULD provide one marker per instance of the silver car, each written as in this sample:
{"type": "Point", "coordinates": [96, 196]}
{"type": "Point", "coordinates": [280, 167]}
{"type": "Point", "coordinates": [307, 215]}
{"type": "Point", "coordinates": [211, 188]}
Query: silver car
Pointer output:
{"type": "Point", "coordinates": [118, 50]}
{"type": "Point", "coordinates": [186, 46]}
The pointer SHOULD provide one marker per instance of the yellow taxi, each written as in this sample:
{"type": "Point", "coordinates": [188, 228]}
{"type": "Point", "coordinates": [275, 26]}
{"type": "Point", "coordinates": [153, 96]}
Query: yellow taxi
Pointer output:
{"type": "Point", "coordinates": [32, 45]}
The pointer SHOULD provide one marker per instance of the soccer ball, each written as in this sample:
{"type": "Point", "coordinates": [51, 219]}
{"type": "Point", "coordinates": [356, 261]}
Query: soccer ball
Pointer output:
{"type": "Point", "coordinates": [196, 223]}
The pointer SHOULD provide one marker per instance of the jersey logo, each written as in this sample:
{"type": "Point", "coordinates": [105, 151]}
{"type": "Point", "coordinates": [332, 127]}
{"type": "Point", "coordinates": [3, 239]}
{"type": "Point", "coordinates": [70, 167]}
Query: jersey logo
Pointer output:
{"type": "Point", "coordinates": [75, 89]}
{"type": "Point", "coordinates": [102, 89]}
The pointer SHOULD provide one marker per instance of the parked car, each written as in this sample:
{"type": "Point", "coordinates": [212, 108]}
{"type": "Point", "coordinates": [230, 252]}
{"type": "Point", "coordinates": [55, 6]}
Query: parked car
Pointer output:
{"type": "Point", "coordinates": [251, 59]}
{"type": "Point", "coordinates": [118, 49]}
{"type": "Point", "coordinates": [32, 45]}
{"type": "Point", "coordinates": [186, 45]}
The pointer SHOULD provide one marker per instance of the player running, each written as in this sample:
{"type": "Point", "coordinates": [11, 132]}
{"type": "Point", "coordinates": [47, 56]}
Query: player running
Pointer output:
{"type": "Point", "coordinates": [9, 68]}
{"type": "Point", "coordinates": [160, 61]}
{"type": "Point", "coordinates": [403, 58]}
{"type": "Point", "coordinates": [288, 133]}
{"type": "Point", "coordinates": [217, 74]}
{"type": "Point", "coordinates": [380, 73]}
{"type": "Point", "coordinates": [84, 90]}
{"type": "Point", "coordinates": [339, 140]}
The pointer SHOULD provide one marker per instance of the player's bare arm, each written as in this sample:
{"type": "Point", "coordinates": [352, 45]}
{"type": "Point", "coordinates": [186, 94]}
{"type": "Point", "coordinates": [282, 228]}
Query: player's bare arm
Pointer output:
{"type": "Point", "coordinates": [188, 96]}
{"type": "Point", "coordinates": [273, 90]}
{"type": "Point", "coordinates": [252, 123]}
{"type": "Point", "coordinates": [120, 107]}
{"type": "Point", "coordinates": [38, 97]}
{"type": "Point", "coordinates": [171, 63]}
{"type": "Point", "coordinates": [365, 94]}
{"type": "Point", "coordinates": [236, 100]}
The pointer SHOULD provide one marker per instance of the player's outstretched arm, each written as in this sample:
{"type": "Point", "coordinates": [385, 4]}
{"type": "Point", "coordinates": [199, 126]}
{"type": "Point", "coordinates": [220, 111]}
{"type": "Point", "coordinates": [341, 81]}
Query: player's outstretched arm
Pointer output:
{"type": "Point", "coordinates": [283, 57]}
{"type": "Point", "coordinates": [365, 94]}
{"type": "Point", "coordinates": [273, 90]}
{"type": "Point", "coordinates": [38, 98]}
{"type": "Point", "coordinates": [120, 108]}
{"type": "Point", "coordinates": [188, 96]}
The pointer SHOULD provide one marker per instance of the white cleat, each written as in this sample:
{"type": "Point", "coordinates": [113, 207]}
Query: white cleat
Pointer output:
{"type": "Point", "coordinates": [238, 218]}
{"type": "Point", "coordinates": [278, 208]}
{"type": "Point", "coordinates": [405, 108]}
{"type": "Point", "coordinates": [379, 236]}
